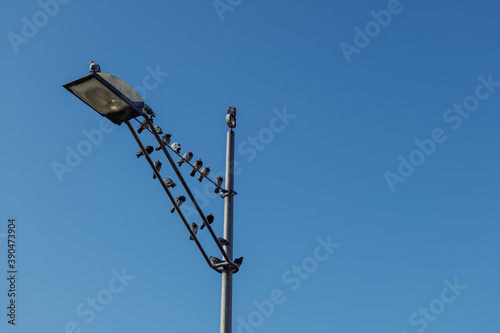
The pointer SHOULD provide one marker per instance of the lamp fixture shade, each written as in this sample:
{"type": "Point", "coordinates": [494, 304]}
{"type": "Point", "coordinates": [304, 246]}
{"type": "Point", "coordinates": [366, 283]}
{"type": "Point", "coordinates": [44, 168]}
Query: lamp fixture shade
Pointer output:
{"type": "Point", "coordinates": [108, 95]}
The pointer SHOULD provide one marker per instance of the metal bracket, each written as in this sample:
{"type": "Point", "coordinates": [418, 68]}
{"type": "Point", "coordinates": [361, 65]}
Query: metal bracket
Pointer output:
{"type": "Point", "coordinates": [226, 193]}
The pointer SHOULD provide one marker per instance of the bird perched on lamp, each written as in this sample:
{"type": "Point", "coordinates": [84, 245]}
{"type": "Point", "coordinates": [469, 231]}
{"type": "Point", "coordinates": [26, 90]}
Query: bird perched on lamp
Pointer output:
{"type": "Point", "coordinates": [147, 110]}
{"type": "Point", "coordinates": [94, 68]}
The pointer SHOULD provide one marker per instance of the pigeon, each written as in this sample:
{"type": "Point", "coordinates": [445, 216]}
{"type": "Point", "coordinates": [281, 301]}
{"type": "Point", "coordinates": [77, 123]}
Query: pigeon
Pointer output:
{"type": "Point", "coordinates": [210, 219]}
{"type": "Point", "coordinates": [185, 158]}
{"type": "Point", "coordinates": [147, 110]}
{"type": "Point", "coordinates": [169, 182]}
{"type": "Point", "coordinates": [149, 150]}
{"type": "Point", "coordinates": [158, 168]}
{"type": "Point", "coordinates": [142, 126]}
{"type": "Point", "coordinates": [178, 201]}
{"type": "Point", "coordinates": [158, 129]}
{"type": "Point", "coordinates": [165, 139]}
{"type": "Point", "coordinates": [218, 183]}
{"type": "Point", "coordinates": [94, 68]}
{"type": "Point", "coordinates": [222, 241]}
{"type": "Point", "coordinates": [176, 147]}
{"type": "Point", "coordinates": [238, 261]}
{"type": "Point", "coordinates": [198, 164]}
{"type": "Point", "coordinates": [203, 173]}
{"type": "Point", "coordinates": [215, 260]}
{"type": "Point", "coordinates": [194, 229]}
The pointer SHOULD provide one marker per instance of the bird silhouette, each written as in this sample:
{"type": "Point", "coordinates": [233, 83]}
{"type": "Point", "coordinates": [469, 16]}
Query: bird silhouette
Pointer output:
{"type": "Point", "coordinates": [218, 183]}
{"type": "Point", "coordinates": [149, 150]}
{"type": "Point", "coordinates": [210, 219]}
{"type": "Point", "coordinates": [222, 241]}
{"type": "Point", "coordinates": [194, 229]}
{"type": "Point", "coordinates": [158, 168]}
{"type": "Point", "coordinates": [238, 261]}
{"type": "Point", "coordinates": [178, 201]}
{"type": "Point", "coordinates": [94, 68]}
{"type": "Point", "coordinates": [197, 165]}
{"type": "Point", "coordinates": [169, 182]}
{"type": "Point", "coordinates": [165, 139]}
{"type": "Point", "coordinates": [185, 158]}
{"type": "Point", "coordinates": [176, 147]}
{"type": "Point", "coordinates": [203, 173]}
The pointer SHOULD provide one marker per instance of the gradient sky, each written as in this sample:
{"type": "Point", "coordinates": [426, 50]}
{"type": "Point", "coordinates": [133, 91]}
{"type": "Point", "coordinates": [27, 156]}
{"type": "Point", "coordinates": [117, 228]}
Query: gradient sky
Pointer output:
{"type": "Point", "coordinates": [367, 179]}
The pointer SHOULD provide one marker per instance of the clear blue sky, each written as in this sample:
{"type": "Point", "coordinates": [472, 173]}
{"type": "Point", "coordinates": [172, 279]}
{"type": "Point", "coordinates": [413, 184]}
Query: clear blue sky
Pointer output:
{"type": "Point", "coordinates": [371, 126]}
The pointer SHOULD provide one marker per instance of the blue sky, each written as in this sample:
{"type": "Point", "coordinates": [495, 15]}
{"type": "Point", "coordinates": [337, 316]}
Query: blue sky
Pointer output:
{"type": "Point", "coordinates": [367, 149]}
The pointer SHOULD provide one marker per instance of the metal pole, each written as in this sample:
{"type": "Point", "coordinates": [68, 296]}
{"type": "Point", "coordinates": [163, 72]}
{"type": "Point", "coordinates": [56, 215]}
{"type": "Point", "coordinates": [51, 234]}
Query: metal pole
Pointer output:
{"type": "Point", "coordinates": [227, 274]}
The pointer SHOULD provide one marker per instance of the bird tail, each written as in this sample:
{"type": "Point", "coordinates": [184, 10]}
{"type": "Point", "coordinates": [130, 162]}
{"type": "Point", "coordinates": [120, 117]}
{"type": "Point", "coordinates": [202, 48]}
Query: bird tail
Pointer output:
{"type": "Point", "coordinates": [154, 175]}
{"type": "Point", "coordinates": [200, 178]}
{"type": "Point", "coordinates": [140, 130]}
{"type": "Point", "coordinates": [216, 190]}
{"type": "Point", "coordinates": [192, 172]}
{"type": "Point", "coordinates": [158, 148]}
{"type": "Point", "coordinates": [172, 210]}
{"type": "Point", "coordinates": [138, 155]}
{"type": "Point", "coordinates": [180, 162]}
{"type": "Point", "coordinates": [202, 226]}
{"type": "Point", "coordinates": [191, 237]}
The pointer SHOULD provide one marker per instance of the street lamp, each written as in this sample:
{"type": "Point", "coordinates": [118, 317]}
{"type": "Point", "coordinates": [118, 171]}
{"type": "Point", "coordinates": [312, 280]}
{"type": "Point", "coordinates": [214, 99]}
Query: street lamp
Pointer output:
{"type": "Point", "coordinates": [114, 99]}
{"type": "Point", "coordinates": [110, 96]}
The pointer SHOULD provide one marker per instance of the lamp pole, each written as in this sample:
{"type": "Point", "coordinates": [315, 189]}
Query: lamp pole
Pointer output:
{"type": "Point", "coordinates": [227, 274]}
{"type": "Point", "coordinates": [116, 100]}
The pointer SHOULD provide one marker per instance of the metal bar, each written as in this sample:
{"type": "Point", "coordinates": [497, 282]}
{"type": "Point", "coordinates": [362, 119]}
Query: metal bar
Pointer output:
{"type": "Point", "coordinates": [226, 312]}
{"type": "Point", "coordinates": [234, 267]}
{"type": "Point", "coordinates": [168, 193]}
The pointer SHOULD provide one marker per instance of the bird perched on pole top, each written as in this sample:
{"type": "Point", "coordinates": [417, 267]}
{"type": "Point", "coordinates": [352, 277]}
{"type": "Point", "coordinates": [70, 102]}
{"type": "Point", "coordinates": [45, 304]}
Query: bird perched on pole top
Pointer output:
{"type": "Point", "coordinates": [178, 201]}
{"type": "Point", "coordinates": [149, 150]}
{"type": "Point", "coordinates": [158, 168]}
{"type": "Point", "coordinates": [210, 220]}
{"type": "Point", "coordinates": [203, 173]}
{"type": "Point", "coordinates": [185, 158]}
{"type": "Point", "coordinates": [176, 147]}
{"type": "Point", "coordinates": [194, 229]}
{"type": "Point", "coordinates": [231, 117]}
{"type": "Point", "coordinates": [147, 110]}
{"type": "Point", "coordinates": [231, 110]}
{"type": "Point", "coordinates": [165, 139]}
{"type": "Point", "coordinates": [94, 68]}
{"type": "Point", "coordinates": [218, 183]}
{"type": "Point", "coordinates": [197, 165]}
